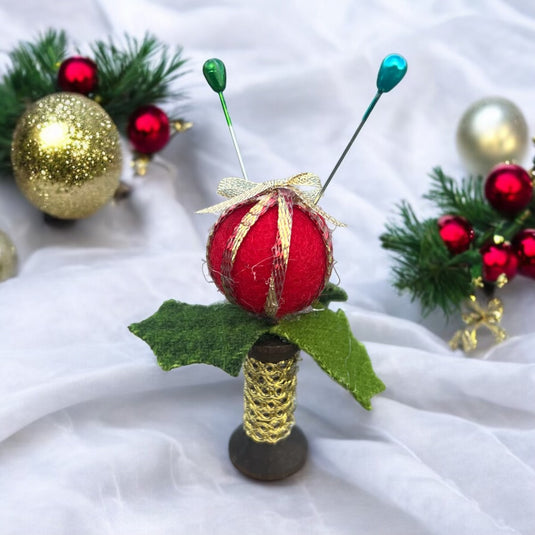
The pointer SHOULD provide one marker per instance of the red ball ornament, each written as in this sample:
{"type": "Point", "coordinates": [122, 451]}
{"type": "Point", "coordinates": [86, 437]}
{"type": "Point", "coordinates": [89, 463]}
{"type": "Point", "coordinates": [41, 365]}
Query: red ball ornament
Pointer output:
{"type": "Point", "coordinates": [509, 189]}
{"type": "Point", "coordinates": [524, 246]}
{"type": "Point", "coordinates": [148, 129]}
{"type": "Point", "coordinates": [456, 233]}
{"type": "Point", "coordinates": [78, 74]}
{"type": "Point", "coordinates": [271, 255]}
{"type": "Point", "coordinates": [498, 258]}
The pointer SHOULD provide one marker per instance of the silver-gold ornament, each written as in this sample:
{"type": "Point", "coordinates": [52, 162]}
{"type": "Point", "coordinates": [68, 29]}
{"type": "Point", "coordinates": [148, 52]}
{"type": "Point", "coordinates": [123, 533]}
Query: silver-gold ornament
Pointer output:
{"type": "Point", "coordinates": [66, 155]}
{"type": "Point", "coordinates": [8, 257]}
{"type": "Point", "coordinates": [491, 131]}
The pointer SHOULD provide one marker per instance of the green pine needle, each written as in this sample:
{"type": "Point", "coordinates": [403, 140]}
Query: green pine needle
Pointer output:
{"type": "Point", "coordinates": [424, 266]}
{"type": "Point", "coordinates": [31, 76]}
{"type": "Point", "coordinates": [34, 67]}
{"type": "Point", "coordinates": [142, 73]}
{"type": "Point", "coordinates": [466, 199]}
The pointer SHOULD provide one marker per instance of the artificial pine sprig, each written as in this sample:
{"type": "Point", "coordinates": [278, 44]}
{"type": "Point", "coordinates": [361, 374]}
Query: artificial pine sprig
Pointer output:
{"type": "Point", "coordinates": [426, 267]}
{"type": "Point", "coordinates": [466, 199]}
{"type": "Point", "coordinates": [423, 264]}
{"type": "Point", "coordinates": [142, 73]}
{"type": "Point", "coordinates": [34, 66]}
{"type": "Point", "coordinates": [441, 273]}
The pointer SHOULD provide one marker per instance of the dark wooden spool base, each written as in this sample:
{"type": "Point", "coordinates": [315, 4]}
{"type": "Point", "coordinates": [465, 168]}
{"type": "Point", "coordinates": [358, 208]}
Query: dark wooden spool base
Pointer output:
{"type": "Point", "coordinates": [268, 462]}
{"type": "Point", "coordinates": [261, 460]}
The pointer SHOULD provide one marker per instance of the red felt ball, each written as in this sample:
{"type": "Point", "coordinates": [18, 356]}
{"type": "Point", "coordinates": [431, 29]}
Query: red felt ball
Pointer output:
{"type": "Point", "coordinates": [308, 268]}
{"type": "Point", "coordinates": [456, 233]}
{"type": "Point", "coordinates": [509, 189]}
{"type": "Point", "coordinates": [78, 74]}
{"type": "Point", "coordinates": [524, 246]}
{"type": "Point", "coordinates": [148, 129]}
{"type": "Point", "coordinates": [498, 258]}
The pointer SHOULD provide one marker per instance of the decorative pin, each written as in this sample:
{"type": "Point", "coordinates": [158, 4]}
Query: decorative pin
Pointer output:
{"type": "Point", "coordinates": [216, 75]}
{"type": "Point", "coordinates": [391, 72]}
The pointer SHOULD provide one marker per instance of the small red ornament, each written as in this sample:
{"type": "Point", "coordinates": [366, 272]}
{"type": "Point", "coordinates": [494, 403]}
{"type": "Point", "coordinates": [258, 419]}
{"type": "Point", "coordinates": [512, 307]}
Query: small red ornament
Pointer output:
{"type": "Point", "coordinates": [456, 233]}
{"type": "Point", "coordinates": [272, 255]}
{"type": "Point", "coordinates": [78, 74]}
{"type": "Point", "coordinates": [498, 258]}
{"type": "Point", "coordinates": [509, 189]}
{"type": "Point", "coordinates": [148, 129]}
{"type": "Point", "coordinates": [524, 246]}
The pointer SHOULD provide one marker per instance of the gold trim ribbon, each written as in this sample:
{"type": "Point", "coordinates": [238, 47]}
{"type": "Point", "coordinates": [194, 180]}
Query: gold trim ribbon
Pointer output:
{"type": "Point", "coordinates": [269, 399]}
{"type": "Point", "coordinates": [477, 316]}
{"type": "Point", "coordinates": [238, 190]}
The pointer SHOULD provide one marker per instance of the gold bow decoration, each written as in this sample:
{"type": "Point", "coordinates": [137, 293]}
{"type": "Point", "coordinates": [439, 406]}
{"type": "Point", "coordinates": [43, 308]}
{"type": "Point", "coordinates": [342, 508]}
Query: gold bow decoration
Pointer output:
{"type": "Point", "coordinates": [239, 190]}
{"type": "Point", "coordinates": [478, 316]}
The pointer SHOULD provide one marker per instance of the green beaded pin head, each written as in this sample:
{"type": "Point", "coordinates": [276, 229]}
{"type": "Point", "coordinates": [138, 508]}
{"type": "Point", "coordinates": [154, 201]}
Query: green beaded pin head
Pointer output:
{"type": "Point", "coordinates": [216, 75]}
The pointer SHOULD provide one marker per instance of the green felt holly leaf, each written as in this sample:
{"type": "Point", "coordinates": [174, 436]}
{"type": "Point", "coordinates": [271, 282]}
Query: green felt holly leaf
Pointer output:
{"type": "Point", "coordinates": [326, 336]}
{"type": "Point", "coordinates": [330, 293]}
{"type": "Point", "coordinates": [182, 334]}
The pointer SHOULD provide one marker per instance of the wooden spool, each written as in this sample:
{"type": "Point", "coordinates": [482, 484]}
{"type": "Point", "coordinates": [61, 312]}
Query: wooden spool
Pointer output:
{"type": "Point", "coordinates": [261, 460]}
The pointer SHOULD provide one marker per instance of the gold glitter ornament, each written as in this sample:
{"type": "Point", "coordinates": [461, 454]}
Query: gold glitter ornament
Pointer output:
{"type": "Point", "coordinates": [66, 155]}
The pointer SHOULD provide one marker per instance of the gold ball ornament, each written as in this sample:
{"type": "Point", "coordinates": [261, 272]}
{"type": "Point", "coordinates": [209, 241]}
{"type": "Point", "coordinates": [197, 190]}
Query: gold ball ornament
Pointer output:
{"type": "Point", "coordinates": [8, 257]}
{"type": "Point", "coordinates": [66, 155]}
{"type": "Point", "coordinates": [491, 131]}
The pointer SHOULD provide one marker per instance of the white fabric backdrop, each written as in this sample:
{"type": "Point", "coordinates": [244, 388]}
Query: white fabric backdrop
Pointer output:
{"type": "Point", "coordinates": [96, 439]}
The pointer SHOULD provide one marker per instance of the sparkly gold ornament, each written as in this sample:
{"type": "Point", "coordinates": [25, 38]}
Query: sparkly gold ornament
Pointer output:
{"type": "Point", "coordinates": [491, 131]}
{"type": "Point", "coordinates": [8, 257]}
{"type": "Point", "coordinates": [66, 155]}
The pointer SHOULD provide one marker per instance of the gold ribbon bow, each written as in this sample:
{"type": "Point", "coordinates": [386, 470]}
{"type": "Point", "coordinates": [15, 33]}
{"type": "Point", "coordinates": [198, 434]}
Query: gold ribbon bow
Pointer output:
{"type": "Point", "coordinates": [238, 190]}
{"type": "Point", "coordinates": [476, 317]}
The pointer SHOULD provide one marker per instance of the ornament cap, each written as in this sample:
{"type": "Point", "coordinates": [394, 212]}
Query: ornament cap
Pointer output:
{"type": "Point", "coordinates": [391, 72]}
{"type": "Point", "coordinates": [216, 74]}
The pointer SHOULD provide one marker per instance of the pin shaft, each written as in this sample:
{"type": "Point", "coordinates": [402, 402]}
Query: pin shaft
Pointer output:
{"type": "Point", "coordinates": [232, 134]}
{"type": "Point", "coordinates": [351, 141]}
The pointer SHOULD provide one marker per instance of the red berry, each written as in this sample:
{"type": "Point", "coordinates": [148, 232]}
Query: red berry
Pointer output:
{"type": "Point", "coordinates": [497, 259]}
{"type": "Point", "coordinates": [78, 74]}
{"type": "Point", "coordinates": [247, 284]}
{"type": "Point", "coordinates": [456, 233]}
{"type": "Point", "coordinates": [524, 246]}
{"type": "Point", "coordinates": [509, 189]}
{"type": "Point", "coordinates": [148, 129]}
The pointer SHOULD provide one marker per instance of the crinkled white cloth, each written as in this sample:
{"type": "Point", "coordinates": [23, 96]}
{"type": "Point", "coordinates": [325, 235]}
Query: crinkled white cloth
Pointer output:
{"type": "Point", "coordinates": [96, 439]}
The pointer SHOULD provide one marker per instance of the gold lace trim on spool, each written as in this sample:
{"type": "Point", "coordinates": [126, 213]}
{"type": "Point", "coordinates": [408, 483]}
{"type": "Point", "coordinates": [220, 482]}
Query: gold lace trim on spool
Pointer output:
{"type": "Point", "coordinates": [269, 399]}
